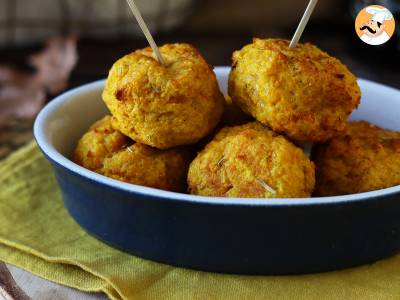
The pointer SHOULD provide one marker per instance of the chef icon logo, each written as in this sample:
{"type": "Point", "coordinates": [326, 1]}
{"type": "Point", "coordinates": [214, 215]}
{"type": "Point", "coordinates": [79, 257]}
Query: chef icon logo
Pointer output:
{"type": "Point", "coordinates": [375, 25]}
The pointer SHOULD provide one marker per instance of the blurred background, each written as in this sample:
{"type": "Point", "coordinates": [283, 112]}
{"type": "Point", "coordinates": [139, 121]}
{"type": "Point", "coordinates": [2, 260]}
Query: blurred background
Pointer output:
{"type": "Point", "coordinates": [47, 46]}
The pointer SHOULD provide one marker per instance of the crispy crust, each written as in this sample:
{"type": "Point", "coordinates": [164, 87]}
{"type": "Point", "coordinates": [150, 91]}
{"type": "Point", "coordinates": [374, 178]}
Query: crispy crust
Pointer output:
{"type": "Point", "coordinates": [164, 105]}
{"type": "Point", "coordinates": [100, 141]}
{"type": "Point", "coordinates": [108, 152]}
{"type": "Point", "coordinates": [365, 158]}
{"type": "Point", "coordinates": [251, 161]}
{"type": "Point", "coordinates": [302, 92]}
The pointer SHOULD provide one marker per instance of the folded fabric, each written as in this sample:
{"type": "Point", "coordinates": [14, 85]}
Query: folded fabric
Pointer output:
{"type": "Point", "coordinates": [37, 234]}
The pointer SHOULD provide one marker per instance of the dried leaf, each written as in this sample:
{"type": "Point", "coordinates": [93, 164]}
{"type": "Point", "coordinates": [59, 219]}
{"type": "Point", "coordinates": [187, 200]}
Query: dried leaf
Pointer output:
{"type": "Point", "coordinates": [23, 94]}
{"type": "Point", "coordinates": [55, 63]}
{"type": "Point", "coordinates": [20, 95]}
{"type": "Point", "coordinates": [11, 76]}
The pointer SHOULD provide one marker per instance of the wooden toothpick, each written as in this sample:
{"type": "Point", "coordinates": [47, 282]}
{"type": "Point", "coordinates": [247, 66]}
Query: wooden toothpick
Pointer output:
{"type": "Point", "coordinates": [303, 23]}
{"type": "Point", "coordinates": [146, 32]}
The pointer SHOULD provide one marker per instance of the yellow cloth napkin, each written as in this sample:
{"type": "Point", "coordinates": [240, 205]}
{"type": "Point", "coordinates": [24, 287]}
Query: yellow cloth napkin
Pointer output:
{"type": "Point", "coordinates": [37, 234]}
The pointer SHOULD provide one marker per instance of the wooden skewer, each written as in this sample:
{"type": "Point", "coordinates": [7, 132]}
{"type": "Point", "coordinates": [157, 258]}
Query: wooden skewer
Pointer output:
{"type": "Point", "coordinates": [303, 23]}
{"type": "Point", "coordinates": [146, 32]}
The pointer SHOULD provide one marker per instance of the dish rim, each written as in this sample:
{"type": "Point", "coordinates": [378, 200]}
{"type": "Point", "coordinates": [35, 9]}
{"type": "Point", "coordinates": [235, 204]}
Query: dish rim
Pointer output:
{"type": "Point", "coordinates": [49, 150]}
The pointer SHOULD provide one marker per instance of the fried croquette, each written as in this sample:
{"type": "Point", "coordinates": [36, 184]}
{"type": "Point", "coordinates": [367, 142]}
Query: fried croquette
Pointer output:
{"type": "Point", "coordinates": [108, 152]}
{"type": "Point", "coordinates": [168, 105]}
{"type": "Point", "coordinates": [302, 92]}
{"type": "Point", "coordinates": [100, 141]}
{"type": "Point", "coordinates": [365, 158]}
{"type": "Point", "coordinates": [251, 161]}
{"type": "Point", "coordinates": [145, 165]}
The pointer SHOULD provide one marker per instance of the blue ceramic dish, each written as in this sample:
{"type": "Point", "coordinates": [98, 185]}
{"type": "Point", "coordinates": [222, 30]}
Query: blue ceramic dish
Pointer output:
{"type": "Point", "coordinates": [230, 235]}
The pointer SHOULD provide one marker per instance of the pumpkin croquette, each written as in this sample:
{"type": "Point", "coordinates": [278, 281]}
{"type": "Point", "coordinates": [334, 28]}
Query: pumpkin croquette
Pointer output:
{"type": "Point", "coordinates": [251, 161]}
{"type": "Point", "coordinates": [164, 105]}
{"type": "Point", "coordinates": [106, 151]}
{"type": "Point", "coordinates": [301, 92]}
{"type": "Point", "coordinates": [365, 158]}
{"type": "Point", "coordinates": [100, 141]}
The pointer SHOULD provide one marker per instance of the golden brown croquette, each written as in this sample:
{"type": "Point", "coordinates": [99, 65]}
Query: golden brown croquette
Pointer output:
{"type": "Point", "coordinates": [168, 105]}
{"type": "Point", "coordinates": [251, 161]}
{"type": "Point", "coordinates": [108, 152]}
{"type": "Point", "coordinates": [302, 92]}
{"type": "Point", "coordinates": [365, 158]}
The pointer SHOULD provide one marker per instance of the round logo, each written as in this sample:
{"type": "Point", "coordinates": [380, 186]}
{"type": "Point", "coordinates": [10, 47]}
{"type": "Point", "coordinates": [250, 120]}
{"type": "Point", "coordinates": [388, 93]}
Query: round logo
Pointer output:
{"type": "Point", "coordinates": [375, 25]}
